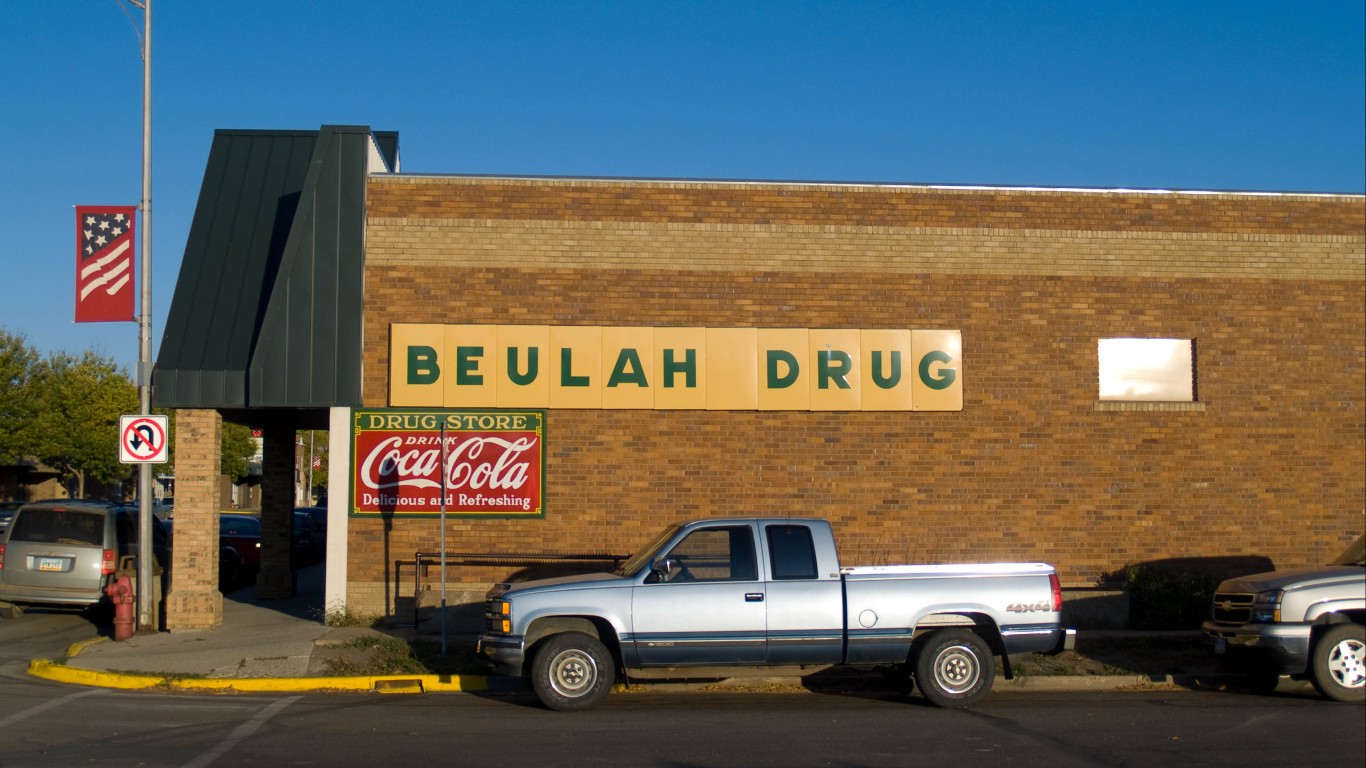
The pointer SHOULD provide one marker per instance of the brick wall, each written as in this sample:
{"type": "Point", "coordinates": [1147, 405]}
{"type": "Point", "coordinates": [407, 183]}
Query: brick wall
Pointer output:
{"type": "Point", "coordinates": [194, 601]}
{"type": "Point", "coordinates": [1269, 462]}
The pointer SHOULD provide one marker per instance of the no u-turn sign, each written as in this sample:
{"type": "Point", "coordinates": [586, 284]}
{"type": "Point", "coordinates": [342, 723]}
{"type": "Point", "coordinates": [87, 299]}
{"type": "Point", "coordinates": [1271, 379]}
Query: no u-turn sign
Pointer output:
{"type": "Point", "coordinates": [142, 439]}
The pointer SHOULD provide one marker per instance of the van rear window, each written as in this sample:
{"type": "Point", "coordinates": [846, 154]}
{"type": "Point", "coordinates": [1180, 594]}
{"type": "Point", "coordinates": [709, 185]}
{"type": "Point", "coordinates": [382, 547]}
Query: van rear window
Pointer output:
{"type": "Point", "coordinates": [58, 526]}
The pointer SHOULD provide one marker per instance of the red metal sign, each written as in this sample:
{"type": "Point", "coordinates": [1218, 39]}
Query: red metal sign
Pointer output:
{"type": "Point", "coordinates": [487, 463]}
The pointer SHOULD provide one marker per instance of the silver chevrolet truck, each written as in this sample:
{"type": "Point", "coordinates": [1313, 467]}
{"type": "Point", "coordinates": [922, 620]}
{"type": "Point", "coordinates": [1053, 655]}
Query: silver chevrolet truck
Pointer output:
{"type": "Point", "coordinates": [709, 596]}
{"type": "Point", "coordinates": [1306, 622]}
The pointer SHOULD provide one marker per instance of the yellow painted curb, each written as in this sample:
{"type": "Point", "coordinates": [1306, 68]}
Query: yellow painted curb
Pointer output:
{"type": "Point", "coordinates": [76, 648]}
{"type": "Point", "coordinates": [381, 683]}
{"type": "Point", "coordinates": [61, 673]}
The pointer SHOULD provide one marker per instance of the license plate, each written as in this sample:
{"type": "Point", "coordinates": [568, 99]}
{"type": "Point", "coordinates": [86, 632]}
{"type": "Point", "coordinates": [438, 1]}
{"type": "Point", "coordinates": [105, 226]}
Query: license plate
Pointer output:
{"type": "Point", "coordinates": [51, 564]}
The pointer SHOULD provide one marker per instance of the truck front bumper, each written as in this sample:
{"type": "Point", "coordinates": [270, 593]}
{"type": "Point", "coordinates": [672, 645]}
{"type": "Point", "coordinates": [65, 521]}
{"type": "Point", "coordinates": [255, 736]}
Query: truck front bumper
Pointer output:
{"type": "Point", "coordinates": [504, 653]}
{"type": "Point", "coordinates": [1282, 647]}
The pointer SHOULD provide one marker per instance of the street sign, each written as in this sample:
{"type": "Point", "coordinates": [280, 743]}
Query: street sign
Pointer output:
{"type": "Point", "coordinates": [142, 440]}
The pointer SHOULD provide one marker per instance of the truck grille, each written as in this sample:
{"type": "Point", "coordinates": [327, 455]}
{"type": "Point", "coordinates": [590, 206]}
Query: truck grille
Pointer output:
{"type": "Point", "coordinates": [1233, 607]}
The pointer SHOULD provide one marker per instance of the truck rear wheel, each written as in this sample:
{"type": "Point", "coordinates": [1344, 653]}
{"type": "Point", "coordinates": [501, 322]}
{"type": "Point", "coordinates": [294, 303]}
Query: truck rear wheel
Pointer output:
{"type": "Point", "coordinates": [954, 668]}
{"type": "Point", "coordinates": [1339, 663]}
{"type": "Point", "coordinates": [572, 671]}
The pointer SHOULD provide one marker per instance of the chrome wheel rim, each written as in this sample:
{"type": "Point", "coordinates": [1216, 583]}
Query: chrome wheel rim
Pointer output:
{"type": "Point", "coordinates": [573, 673]}
{"type": "Point", "coordinates": [1345, 663]}
{"type": "Point", "coordinates": [956, 670]}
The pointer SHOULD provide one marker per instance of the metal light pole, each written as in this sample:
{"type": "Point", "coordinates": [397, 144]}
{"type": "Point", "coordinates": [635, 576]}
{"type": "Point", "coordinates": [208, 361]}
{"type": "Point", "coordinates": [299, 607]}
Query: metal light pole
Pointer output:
{"type": "Point", "coordinates": [145, 604]}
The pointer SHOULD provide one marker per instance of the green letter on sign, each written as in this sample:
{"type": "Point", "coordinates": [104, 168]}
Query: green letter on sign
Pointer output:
{"type": "Point", "coordinates": [889, 381]}
{"type": "Point", "coordinates": [533, 366]}
{"type": "Point", "coordinates": [946, 375]}
{"type": "Point", "coordinates": [422, 367]}
{"type": "Point", "coordinates": [833, 365]}
{"type": "Point", "coordinates": [688, 367]}
{"type": "Point", "coordinates": [628, 370]}
{"type": "Point", "coordinates": [775, 357]}
{"type": "Point", "coordinates": [567, 377]}
{"type": "Point", "coordinates": [467, 366]}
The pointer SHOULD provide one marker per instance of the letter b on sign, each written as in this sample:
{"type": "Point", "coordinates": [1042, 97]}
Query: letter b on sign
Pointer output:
{"type": "Point", "coordinates": [422, 366]}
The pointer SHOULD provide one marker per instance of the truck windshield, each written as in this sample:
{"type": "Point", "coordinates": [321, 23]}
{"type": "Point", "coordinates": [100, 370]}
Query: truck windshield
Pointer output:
{"type": "Point", "coordinates": [644, 557]}
{"type": "Point", "coordinates": [1355, 554]}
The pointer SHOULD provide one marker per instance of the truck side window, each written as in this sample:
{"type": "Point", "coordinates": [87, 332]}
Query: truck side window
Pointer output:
{"type": "Point", "coordinates": [792, 552]}
{"type": "Point", "coordinates": [716, 554]}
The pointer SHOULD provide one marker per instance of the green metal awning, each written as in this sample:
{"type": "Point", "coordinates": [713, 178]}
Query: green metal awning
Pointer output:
{"type": "Point", "coordinates": [267, 309]}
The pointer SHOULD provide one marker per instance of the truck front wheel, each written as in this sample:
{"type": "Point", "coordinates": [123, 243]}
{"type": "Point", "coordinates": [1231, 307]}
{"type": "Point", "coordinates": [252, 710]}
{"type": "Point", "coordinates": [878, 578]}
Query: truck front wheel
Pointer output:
{"type": "Point", "coordinates": [572, 671]}
{"type": "Point", "coordinates": [954, 668]}
{"type": "Point", "coordinates": [1339, 663]}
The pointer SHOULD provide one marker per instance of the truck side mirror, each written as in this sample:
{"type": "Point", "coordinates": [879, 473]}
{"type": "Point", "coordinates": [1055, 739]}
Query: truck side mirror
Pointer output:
{"type": "Point", "coordinates": [662, 570]}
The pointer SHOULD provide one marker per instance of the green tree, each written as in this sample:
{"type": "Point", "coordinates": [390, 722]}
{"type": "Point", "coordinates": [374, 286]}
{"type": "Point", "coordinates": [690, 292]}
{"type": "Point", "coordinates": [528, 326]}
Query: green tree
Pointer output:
{"type": "Point", "coordinates": [236, 448]}
{"type": "Point", "coordinates": [77, 402]}
{"type": "Point", "coordinates": [17, 361]}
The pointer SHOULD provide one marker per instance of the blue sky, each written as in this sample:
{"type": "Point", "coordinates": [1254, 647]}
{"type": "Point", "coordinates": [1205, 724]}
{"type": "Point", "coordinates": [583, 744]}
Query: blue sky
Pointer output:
{"type": "Point", "coordinates": [1266, 96]}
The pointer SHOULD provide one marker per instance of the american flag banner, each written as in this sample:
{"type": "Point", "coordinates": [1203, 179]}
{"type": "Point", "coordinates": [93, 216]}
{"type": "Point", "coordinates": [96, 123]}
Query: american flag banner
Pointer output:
{"type": "Point", "coordinates": [104, 263]}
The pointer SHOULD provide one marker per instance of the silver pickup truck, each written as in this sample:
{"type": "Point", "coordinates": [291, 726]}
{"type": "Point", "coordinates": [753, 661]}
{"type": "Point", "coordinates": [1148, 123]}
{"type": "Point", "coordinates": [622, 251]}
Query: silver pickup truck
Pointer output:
{"type": "Point", "coordinates": [708, 596]}
{"type": "Point", "coordinates": [1306, 622]}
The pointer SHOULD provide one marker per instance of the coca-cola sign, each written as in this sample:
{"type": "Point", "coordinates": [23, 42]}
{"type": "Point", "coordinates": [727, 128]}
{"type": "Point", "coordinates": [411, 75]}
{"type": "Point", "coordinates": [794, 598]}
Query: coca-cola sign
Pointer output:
{"type": "Point", "coordinates": [483, 462]}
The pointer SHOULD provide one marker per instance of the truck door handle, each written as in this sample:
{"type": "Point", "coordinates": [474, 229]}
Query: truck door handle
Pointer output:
{"type": "Point", "coordinates": [754, 597]}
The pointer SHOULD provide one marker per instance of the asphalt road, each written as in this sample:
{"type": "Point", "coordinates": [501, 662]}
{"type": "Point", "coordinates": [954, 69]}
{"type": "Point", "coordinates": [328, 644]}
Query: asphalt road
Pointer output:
{"type": "Point", "coordinates": [48, 724]}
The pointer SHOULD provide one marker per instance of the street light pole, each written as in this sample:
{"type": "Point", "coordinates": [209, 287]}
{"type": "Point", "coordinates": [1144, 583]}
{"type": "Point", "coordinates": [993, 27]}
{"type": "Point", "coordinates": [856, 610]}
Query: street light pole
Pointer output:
{"type": "Point", "coordinates": [145, 592]}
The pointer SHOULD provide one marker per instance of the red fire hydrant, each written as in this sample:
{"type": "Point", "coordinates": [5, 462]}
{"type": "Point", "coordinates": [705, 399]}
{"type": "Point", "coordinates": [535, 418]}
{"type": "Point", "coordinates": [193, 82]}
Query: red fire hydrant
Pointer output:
{"type": "Point", "coordinates": [120, 592]}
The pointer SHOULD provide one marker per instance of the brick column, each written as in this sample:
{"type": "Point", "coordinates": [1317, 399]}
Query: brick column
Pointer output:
{"type": "Point", "coordinates": [194, 601]}
{"type": "Point", "coordinates": [276, 579]}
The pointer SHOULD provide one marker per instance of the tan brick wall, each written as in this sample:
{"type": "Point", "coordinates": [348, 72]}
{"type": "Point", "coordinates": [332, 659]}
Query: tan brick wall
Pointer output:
{"type": "Point", "coordinates": [1270, 287]}
{"type": "Point", "coordinates": [194, 601]}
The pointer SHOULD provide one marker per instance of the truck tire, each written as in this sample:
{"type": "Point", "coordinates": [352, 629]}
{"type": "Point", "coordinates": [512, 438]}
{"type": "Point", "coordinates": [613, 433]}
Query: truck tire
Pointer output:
{"type": "Point", "coordinates": [954, 668]}
{"type": "Point", "coordinates": [572, 671]}
{"type": "Point", "coordinates": [1338, 663]}
{"type": "Point", "coordinates": [11, 611]}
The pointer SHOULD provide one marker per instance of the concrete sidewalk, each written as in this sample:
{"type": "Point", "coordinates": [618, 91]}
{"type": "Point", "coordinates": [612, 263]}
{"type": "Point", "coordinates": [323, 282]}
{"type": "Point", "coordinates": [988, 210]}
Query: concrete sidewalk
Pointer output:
{"type": "Point", "coordinates": [283, 645]}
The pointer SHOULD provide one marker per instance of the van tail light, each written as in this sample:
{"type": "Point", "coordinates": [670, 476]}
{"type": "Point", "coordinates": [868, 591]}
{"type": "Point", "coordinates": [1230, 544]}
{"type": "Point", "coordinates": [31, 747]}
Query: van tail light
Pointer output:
{"type": "Point", "coordinates": [1057, 591]}
{"type": "Point", "coordinates": [107, 567]}
{"type": "Point", "coordinates": [2, 557]}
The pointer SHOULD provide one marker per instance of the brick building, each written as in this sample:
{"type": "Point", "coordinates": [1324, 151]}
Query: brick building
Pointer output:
{"type": "Point", "coordinates": [1260, 450]}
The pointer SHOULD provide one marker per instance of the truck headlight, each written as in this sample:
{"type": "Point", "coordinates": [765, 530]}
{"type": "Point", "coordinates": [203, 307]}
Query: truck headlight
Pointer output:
{"type": "Point", "coordinates": [1266, 607]}
{"type": "Point", "coordinates": [502, 616]}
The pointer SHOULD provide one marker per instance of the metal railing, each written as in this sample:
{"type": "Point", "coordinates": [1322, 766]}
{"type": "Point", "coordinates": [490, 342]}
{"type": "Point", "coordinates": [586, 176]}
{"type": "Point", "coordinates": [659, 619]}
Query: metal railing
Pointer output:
{"type": "Point", "coordinates": [423, 560]}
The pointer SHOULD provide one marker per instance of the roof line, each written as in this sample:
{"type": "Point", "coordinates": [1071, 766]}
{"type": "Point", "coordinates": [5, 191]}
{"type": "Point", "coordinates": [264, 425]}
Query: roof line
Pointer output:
{"type": "Point", "coordinates": [893, 185]}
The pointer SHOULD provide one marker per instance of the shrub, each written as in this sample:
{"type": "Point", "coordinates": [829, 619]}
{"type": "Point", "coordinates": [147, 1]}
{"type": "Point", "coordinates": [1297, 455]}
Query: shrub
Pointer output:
{"type": "Point", "coordinates": [1170, 596]}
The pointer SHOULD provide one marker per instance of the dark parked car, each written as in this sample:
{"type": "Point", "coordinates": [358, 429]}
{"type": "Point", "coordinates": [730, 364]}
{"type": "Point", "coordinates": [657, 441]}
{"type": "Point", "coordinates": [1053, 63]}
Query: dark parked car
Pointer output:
{"type": "Point", "coordinates": [7, 509]}
{"type": "Point", "coordinates": [239, 550]}
{"type": "Point", "coordinates": [309, 541]}
{"type": "Point", "coordinates": [319, 515]}
{"type": "Point", "coordinates": [63, 553]}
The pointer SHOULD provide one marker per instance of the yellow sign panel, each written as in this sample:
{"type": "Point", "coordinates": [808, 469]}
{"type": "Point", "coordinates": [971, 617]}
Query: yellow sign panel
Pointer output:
{"type": "Point", "coordinates": [787, 383]}
{"type": "Point", "coordinates": [886, 360]}
{"type": "Point", "coordinates": [835, 385]}
{"type": "Point", "coordinates": [937, 381]}
{"type": "Point", "coordinates": [627, 366]}
{"type": "Point", "coordinates": [521, 369]}
{"type": "Point", "coordinates": [516, 366]}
